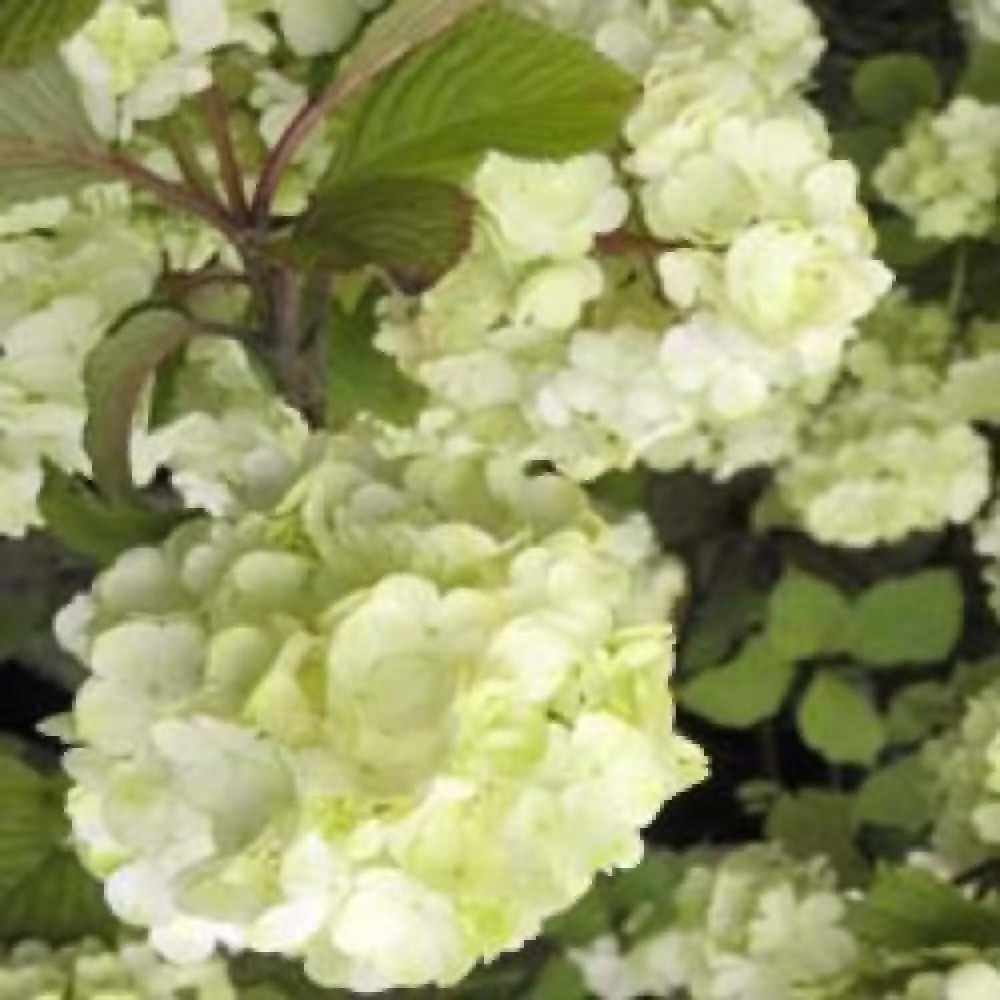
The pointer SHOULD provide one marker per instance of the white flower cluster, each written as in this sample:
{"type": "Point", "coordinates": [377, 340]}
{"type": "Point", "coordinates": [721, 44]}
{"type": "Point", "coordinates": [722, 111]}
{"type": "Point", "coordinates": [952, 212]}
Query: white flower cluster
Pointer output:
{"type": "Point", "coordinates": [90, 971]}
{"type": "Point", "coordinates": [946, 173]}
{"type": "Point", "coordinates": [982, 18]}
{"type": "Point", "coordinates": [626, 31]}
{"type": "Point", "coordinates": [965, 769]}
{"type": "Point", "coordinates": [136, 60]}
{"type": "Point", "coordinates": [61, 291]}
{"type": "Point", "coordinates": [972, 980]}
{"type": "Point", "coordinates": [228, 441]}
{"type": "Point", "coordinates": [753, 925]}
{"type": "Point", "coordinates": [893, 450]}
{"type": "Point", "coordinates": [594, 365]}
{"type": "Point", "coordinates": [390, 726]}
{"type": "Point", "coordinates": [69, 270]}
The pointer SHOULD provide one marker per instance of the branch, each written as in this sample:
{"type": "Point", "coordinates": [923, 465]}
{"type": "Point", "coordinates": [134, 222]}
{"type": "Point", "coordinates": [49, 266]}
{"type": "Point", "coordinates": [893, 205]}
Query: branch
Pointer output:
{"type": "Point", "coordinates": [170, 193]}
{"type": "Point", "coordinates": [216, 115]}
{"type": "Point", "coordinates": [619, 243]}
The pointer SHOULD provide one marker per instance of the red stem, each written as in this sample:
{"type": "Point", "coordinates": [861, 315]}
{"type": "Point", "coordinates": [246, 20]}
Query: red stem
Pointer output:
{"type": "Point", "coordinates": [214, 109]}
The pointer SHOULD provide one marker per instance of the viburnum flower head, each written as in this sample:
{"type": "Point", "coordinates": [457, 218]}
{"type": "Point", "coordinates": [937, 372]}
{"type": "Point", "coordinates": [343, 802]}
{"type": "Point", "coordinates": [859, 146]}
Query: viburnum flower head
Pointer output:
{"type": "Point", "coordinates": [89, 970]}
{"type": "Point", "coordinates": [390, 726]}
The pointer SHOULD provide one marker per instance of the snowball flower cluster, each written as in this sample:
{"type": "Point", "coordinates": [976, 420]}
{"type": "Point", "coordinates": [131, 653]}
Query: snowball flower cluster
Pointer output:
{"type": "Point", "coordinates": [61, 291]}
{"type": "Point", "coordinates": [390, 726]}
{"type": "Point", "coordinates": [136, 60]}
{"type": "Point", "coordinates": [964, 765]}
{"type": "Point", "coordinates": [542, 341]}
{"type": "Point", "coordinates": [70, 269]}
{"type": "Point", "coordinates": [228, 441]}
{"type": "Point", "coordinates": [625, 31]}
{"type": "Point", "coordinates": [946, 173]}
{"type": "Point", "coordinates": [981, 16]}
{"type": "Point", "coordinates": [893, 450]}
{"type": "Point", "coordinates": [967, 981]}
{"type": "Point", "coordinates": [90, 971]}
{"type": "Point", "coordinates": [753, 925]}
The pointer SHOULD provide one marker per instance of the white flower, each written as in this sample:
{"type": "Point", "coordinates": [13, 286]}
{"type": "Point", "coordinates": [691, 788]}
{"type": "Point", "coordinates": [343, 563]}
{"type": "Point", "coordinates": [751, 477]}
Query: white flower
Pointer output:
{"type": "Point", "coordinates": [378, 727]}
{"type": "Point", "coordinates": [982, 18]}
{"type": "Point", "coordinates": [551, 209]}
{"type": "Point", "coordinates": [946, 173]}
{"type": "Point", "coordinates": [89, 970]}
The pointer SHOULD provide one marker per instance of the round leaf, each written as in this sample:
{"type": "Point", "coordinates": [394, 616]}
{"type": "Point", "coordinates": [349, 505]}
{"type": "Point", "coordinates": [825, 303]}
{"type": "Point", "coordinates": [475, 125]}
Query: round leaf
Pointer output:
{"type": "Point", "coordinates": [743, 692]}
{"type": "Point", "coordinates": [914, 619]}
{"type": "Point", "coordinates": [839, 721]}
{"type": "Point", "coordinates": [892, 88]}
{"type": "Point", "coordinates": [806, 616]}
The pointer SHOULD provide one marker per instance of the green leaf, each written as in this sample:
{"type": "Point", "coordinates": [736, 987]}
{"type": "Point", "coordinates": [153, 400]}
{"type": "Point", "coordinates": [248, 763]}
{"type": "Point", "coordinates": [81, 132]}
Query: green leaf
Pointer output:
{"type": "Point", "coordinates": [31, 29]}
{"type": "Point", "coordinates": [414, 228]}
{"type": "Point", "coordinates": [97, 528]}
{"type": "Point", "coordinates": [732, 605]}
{"type": "Point", "coordinates": [896, 796]}
{"type": "Point", "coordinates": [497, 81]}
{"type": "Point", "coordinates": [864, 145]}
{"type": "Point", "coordinates": [114, 376]}
{"type": "Point", "coordinates": [44, 891]}
{"type": "Point", "coordinates": [981, 78]}
{"type": "Point", "coordinates": [839, 721]}
{"type": "Point", "coordinates": [892, 88]}
{"type": "Point", "coordinates": [361, 379]}
{"type": "Point", "coordinates": [806, 616]}
{"type": "Point", "coordinates": [620, 490]}
{"type": "Point", "coordinates": [405, 26]}
{"type": "Point", "coordinates": [560, 979]}
{"type": "Point", "coordinates": [909, 908]}
{"type": "Point", "coordinates": [917, 710]}
{"type": "Point", "coordinates": [47, 146]}
{"type": "Point", "coordinates": [743, 692]}
{"type": "Point", "coordinates": [583, 922]}
{"type": "Point", "coordinates": [900, 247]}
{"type": "Point", "coordinates": [914, 619]}
{"type": "Point", "coordinates": [818, 822]}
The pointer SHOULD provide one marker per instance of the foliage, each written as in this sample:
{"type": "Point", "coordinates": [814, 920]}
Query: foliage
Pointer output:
{"type": "Point", "coordinates": [394, 382]}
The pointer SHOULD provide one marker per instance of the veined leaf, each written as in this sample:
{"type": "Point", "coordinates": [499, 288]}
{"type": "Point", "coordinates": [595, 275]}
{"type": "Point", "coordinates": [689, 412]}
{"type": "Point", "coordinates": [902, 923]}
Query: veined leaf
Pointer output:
{"type": "Point", "coordinates": [30, 29]}
{"type": "Point", "coordinates": [94, 527]}
{"type": "Point", "coordinates": [44, 891]}
{"type": "Point", "coordinates": [411, 227]}
{"type": "Point", "coordinates": [909, 908]}
{"type": "Point", "coordinates": [497, 81]}
{"type": "Point", "coordinates": [404, 27]}
{"type": "Point", "coordinates": [47, 146]}
{"type": "Point", "coordinates": [114, 375]}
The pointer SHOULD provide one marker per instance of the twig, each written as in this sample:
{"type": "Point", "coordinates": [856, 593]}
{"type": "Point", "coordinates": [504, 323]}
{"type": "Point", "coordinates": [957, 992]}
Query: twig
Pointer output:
{"type": "Point", "coordinates": [214, 109]}
{"type": "Point", "coordinates": [620, 242]}
{"type": "Point", "coordinates": [190, 166]}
